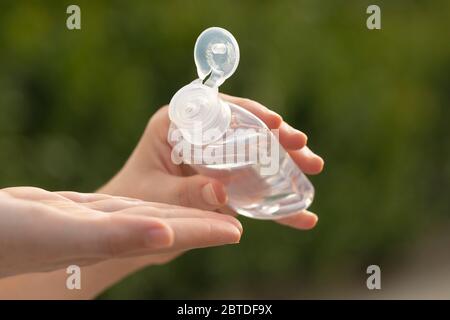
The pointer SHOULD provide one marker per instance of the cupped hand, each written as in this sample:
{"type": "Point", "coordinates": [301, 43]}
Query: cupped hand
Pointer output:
{"type": "Point", "coordinates": [43, 231]}
{"type": "Point", "coordinates": [151, 175]}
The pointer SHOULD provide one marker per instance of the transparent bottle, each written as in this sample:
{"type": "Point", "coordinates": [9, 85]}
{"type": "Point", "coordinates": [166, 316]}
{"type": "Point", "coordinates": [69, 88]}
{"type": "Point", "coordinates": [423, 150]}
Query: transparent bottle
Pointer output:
{"type": "Point", "coordinates": [224, 141]}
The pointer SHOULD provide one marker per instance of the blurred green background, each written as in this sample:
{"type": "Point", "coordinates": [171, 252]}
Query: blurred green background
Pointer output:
{"type": "Point", "coordinates": [375, 104]}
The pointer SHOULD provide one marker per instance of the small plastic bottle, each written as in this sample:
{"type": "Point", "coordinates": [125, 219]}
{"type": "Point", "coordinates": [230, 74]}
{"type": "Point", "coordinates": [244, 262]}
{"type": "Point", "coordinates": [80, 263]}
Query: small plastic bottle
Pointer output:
{"type": "Point", "coordinates": [224, 141]}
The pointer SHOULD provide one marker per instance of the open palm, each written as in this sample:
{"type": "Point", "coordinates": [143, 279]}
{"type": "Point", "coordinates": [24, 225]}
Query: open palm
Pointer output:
{"type": "Point", "coordinates": [45, 231]}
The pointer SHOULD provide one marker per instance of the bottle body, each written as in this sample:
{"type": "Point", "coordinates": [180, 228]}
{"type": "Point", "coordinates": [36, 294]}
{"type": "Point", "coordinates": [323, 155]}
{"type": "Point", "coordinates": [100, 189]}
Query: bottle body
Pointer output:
{"type": "Point", "coordinates": [256, 187]}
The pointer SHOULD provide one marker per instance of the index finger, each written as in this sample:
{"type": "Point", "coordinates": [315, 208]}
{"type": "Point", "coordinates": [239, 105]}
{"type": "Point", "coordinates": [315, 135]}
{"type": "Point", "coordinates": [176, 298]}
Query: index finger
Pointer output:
{"type": "Point", "coordinates": [272, 119]}
{"type": "Point", "coordinates": [290, 138]}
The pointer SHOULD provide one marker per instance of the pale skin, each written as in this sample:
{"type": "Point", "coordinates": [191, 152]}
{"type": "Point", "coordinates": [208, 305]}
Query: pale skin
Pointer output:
{"type": "Point", "coordinates": [110, 233]}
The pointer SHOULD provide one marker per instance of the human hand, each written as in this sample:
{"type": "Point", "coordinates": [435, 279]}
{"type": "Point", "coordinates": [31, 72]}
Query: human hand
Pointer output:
{"type": "Point", "coordinates": [151, 175]}
{"type": "Point", "coordinates": [44, 231]}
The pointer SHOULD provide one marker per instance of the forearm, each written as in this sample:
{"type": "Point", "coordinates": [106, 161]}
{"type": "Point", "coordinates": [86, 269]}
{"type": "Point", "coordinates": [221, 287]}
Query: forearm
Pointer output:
{"type": "Point", "coordinates": [52, 285]}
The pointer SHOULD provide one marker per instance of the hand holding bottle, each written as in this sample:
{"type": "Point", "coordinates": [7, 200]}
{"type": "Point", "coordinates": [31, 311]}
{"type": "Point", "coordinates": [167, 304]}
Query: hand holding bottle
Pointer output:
{"type": "Point", "coordinates": [222, 140]}
{"type": "Point", "coordinates": [149, 173]}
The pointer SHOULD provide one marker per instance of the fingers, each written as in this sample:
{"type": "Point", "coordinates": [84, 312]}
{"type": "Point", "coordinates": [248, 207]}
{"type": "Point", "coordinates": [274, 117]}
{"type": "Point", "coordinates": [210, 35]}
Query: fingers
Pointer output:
{"type": "Point", "coordinates": [138, 207]}
{"type": "Point", "coordinates": [115, 204]}
{"type": "Point", "coordinates": [290, 138]}
{"type": "Point", "coordinates": [137, 227]}
{"type": "Point", "coordinates": [83, 197]}
{"type": "Point", "coordinates": [228, 211]}
{"type": "Point", "coordinates": [115, 235]}
{"type": "Point", "coordinates": [193, 233]}
{"type": "Point", "coordinates": [121, 235]}
{"type": "Point", "coordinates": [272, 119]}
{"type": "Point", "coordinates": [198, 192]}
{"type": "Point", "coordinates": [4, 194]}
{"type": "Point", "coordinates": [31, 193]}
{"type": "Point", "coordinates": [158, 126]}
{"type": "Point", "coordinates": [304, 220]}
{"type": "Point", "coordinates": [309, 162]}
{"type": "Point", "coordinates": [202, 232]}
{"type": "Point", "coordinates": [172, 212]}
{"type": "Point", "coordinates": [161, 211]}
{"type": "Point", "coordinates": [293, 140]}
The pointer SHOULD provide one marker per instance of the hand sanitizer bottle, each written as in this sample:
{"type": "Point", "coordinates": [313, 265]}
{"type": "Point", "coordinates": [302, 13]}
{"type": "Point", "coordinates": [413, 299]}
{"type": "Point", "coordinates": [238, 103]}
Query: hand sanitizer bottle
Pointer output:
{"type": "Point", "coordinates": [224, 141]}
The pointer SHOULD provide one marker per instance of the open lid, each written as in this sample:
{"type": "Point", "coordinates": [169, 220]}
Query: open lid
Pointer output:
{"type": "Point", "coordinates": [216, 55]}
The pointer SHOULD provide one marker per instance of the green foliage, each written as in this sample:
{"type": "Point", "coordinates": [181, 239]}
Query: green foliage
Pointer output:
{"type": "Point", "coordinates": [375, 104]}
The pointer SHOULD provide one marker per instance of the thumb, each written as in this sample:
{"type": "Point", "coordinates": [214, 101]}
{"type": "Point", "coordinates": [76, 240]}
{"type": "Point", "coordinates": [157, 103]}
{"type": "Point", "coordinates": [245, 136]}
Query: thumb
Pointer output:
{"type": "Point", "coordinates": [198, 192]}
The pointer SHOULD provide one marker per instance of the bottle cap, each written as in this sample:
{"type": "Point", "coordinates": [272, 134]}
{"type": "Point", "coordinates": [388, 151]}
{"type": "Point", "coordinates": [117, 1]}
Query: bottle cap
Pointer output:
{"type": "Point", "coordinates": [216, 54]}
{"type": "Point", "coordinates": [199, 114]}
{"type": "Point", "coordinates": [196, 109]}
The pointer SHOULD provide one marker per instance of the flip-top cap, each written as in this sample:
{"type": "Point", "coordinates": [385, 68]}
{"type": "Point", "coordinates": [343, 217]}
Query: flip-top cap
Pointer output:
{"type": "Point", "coordinates": [216, 54]}
{"type": "Point", "coordinates": [199, 114]}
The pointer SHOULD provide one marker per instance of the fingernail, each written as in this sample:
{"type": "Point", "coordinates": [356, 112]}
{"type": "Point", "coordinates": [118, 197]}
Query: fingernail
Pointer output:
{"type": "Point", "coordinates": [238, 225]}
{"type": "Point", "coordinates": [321, 159]}
{"type": "Point", "coordinates": [209, 195]}
{"type": "Point", "coordinates": [314, 218]}
{"type": "Point", "coordinates": [159, 237]}
{"type": "Point", "coordinates": [237, 234]}
{"type": "Point", "coordinates": [311, 214]}
{"type": "Point", "coordinates": [304, 136]}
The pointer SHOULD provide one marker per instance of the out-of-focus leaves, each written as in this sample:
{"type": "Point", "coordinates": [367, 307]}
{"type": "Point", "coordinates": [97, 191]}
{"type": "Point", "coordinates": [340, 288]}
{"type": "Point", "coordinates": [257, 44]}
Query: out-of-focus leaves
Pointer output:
{"type": "Point", "coordinates": [375, 104]}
